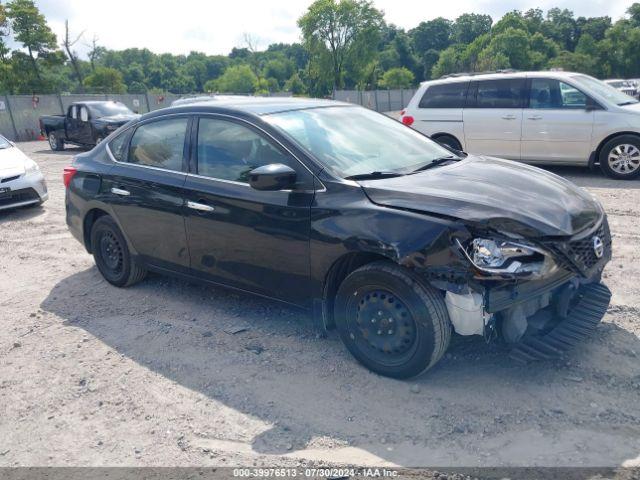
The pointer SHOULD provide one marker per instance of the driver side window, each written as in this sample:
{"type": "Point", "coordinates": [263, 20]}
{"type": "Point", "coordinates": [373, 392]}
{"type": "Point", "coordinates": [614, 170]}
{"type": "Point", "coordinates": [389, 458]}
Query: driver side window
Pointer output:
{"type": "Point", "coordinates": [547, 93]}
{"type": "Point", "coordinates": [84, 114]}
{"type": "Point", "coordinates": [229, 151]}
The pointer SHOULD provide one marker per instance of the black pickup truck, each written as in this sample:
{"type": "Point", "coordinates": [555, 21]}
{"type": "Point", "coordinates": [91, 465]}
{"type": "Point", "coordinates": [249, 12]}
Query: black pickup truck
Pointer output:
{"type": "Point", "coordinates": [85, 124]}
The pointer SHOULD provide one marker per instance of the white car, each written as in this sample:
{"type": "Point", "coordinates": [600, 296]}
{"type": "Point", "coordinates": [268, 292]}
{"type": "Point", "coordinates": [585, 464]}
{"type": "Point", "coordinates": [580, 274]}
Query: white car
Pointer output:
{"type": "Point", "coordinates": [21, 181]}
{"type": "Point", "coordinates": [625, 86]}
{"type": "Point", "coordinates": [556, 118]}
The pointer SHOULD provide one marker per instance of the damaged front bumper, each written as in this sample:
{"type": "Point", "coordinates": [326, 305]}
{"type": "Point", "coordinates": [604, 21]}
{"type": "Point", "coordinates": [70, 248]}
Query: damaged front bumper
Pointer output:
{"type": "Point", "coordinates": [590, 306]}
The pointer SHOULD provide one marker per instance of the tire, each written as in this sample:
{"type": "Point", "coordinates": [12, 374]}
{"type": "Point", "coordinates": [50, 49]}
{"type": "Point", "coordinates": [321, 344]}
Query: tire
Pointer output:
{"type": "Point", "coordinates": [391, 322]}
{"type": "Point", "coordinates": [55, 142]}
{"type": "Point", "coordinates": [449, 141]}
{"type": "Point", "coordinates": [112, 256]}
{"type": "Point", "coordinates": [620, 157]}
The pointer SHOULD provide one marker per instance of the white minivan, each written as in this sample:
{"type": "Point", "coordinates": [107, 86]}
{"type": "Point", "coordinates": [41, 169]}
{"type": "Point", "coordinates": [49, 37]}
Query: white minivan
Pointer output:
{"type": "Point", "coordinates": [557, 118]}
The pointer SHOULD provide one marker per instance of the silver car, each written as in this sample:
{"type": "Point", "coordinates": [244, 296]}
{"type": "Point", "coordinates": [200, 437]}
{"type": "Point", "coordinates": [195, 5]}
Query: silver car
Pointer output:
{"type": "Point", "coordinates": [21, 181]}
{"type": "Point", "coordinates": [556, 118]}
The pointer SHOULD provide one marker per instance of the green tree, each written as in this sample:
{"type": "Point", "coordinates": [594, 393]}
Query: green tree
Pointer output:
{"type": "Point", "coordinates": [106, 80]}
{"type": "Point", "coordinates": [4, 32]}
{"type": "Point", "coordinates": [397, 78]}
{"type": "Point", "coordinates": [345, 29]}
{"type": "Point", "coordinates": [31, 30]}
{"type": "Point", "coordinates": [294, 85]}
{"type": "Point", "coordinates": [470, 26]}
{"type": "Point", "coordinates": [237, 79]}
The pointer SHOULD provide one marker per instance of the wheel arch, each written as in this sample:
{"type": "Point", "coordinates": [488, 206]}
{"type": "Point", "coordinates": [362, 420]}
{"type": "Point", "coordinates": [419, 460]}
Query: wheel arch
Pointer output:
{"type": "Point", "coordinates": [437, 135]}
{"type": "Point", "coordinates": [602, 143]}
{"type": "Point", "coordinates": [87, 224]}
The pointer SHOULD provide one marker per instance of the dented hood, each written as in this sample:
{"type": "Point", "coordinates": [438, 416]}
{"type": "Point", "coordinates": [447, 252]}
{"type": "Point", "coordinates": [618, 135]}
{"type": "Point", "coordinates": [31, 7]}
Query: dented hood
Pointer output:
{"type": "Point", "coordinates": [500, 194]}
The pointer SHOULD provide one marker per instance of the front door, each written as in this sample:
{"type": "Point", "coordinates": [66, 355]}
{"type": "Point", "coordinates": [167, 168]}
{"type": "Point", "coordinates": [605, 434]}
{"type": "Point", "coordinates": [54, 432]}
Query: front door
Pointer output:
{"type": "Point", "coordinates": [146, 186]}
{"type": "Point", "coordinates": [249, 239]}
{"type": "Point", "coordinates": [557, 126]}
{"type": "Point", "coordinates": [493, 117]}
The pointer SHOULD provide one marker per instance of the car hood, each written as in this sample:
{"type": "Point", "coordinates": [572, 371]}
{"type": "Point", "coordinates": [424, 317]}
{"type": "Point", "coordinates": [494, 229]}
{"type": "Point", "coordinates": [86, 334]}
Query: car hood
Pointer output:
{"type": "Point", "coordinates": [496, 193]}
{"type": "Point", "coordinates": [12, 162]}
{"type": "Point", "coordinates": [120, 118]}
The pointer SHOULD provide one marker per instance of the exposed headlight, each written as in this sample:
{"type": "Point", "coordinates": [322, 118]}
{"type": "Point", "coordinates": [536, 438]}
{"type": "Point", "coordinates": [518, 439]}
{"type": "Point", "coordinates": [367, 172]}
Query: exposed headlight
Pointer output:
{"type": "Point", "coordinates": [31, 167]}
{"type": "Point", "coordinates": [505, 258]}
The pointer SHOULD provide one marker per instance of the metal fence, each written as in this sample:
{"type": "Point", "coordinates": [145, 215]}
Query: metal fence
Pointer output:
{"type": "Point", "coordinates": [19, 114]}
{"type": "Point", "coordinates": [379, 100]}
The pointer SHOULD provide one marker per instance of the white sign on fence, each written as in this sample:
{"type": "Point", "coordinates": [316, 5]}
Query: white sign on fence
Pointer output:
{"type": "Point", "coordinates": [136, 102]}
{"type": "Point", "coordinates": [3, 107]}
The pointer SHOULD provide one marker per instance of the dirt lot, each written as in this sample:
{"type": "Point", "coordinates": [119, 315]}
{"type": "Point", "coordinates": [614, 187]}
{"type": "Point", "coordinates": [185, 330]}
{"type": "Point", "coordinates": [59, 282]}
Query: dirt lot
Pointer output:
{"type": "Point", "coordinates": [154, 375]}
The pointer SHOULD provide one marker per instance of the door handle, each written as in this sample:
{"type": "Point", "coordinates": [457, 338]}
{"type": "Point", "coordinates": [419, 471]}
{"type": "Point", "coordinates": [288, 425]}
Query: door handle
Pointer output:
{"type": "Point", "coordinates": [509, 117]}
{"type": "Point", "coordinates": [121, 192]}
{"type": "Point", "coordinates": [535, 117]}
{"type": "Point", "coordinates": [201, 207]}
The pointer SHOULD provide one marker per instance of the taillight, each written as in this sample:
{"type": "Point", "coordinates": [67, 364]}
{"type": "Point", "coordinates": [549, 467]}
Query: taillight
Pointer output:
{"type": "Point", "coordinates": [67, 175]}
{"type": "Point", "coordinates": [407, 120]}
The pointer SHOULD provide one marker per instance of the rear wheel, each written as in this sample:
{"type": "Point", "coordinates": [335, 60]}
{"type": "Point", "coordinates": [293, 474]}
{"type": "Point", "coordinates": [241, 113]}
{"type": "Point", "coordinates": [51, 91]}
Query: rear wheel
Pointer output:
{"type": "Point", "coordinates": [390, 322]}
{"type": "Point", "coordinates": [449, 141]}
{"type": "Point", "coordinates": [55, 142]}
{"type": "Point", "coordinates": [620, 157]}
{"type": "Point", "coordinates": [112, 256]}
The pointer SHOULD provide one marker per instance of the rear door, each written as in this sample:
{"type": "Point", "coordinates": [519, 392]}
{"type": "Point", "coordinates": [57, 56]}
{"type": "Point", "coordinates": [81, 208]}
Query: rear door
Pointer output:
{"type": "Point", "coordinates": [250, 239]}
{"type": "Point", "coordinates": [493, 117]}
{"type": "Point", "coordinates": [147, 190]}
{"type": "Point", "coordinates": [557, 125]}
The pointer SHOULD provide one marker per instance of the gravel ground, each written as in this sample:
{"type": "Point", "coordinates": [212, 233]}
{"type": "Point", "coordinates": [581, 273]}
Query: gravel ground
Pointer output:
{"type": "Point", "coordinates": [155, 375]}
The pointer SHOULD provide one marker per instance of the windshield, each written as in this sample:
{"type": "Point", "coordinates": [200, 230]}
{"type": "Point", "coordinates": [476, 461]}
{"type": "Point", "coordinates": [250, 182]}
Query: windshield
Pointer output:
{"type": "Point", "coordinates": [4, 143]}
{"type": "Point", "coordinates": [108, 109]}
{"type": "Point", "coordinates": [356, 141]}
{"type": "Point", "coordinates": [603, 90]}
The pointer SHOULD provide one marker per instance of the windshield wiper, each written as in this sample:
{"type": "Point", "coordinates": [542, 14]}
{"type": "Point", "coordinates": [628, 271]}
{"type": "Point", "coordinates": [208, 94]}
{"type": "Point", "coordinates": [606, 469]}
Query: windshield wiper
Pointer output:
{"type": "Point", "coordinates": [373, 175]}
{"type": "Point", "coordinates": [630, 102]}
{"type": "Point", "coordinates": [436, 162]}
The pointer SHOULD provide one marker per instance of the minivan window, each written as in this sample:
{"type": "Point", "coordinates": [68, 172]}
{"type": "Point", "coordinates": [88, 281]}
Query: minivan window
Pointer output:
{"type": "Point", "coordinates": [548, 93]}
{"type": "Point", "coordinates": [600, 88]}
{"type": "Point", "coordinates": [446, 95]}
{"type": "Point", "coordinates": [229, 151]}
{"type": "Point", "coordinates": [159, 144]}
{"type": "Point", "coordinates": [501, 93]}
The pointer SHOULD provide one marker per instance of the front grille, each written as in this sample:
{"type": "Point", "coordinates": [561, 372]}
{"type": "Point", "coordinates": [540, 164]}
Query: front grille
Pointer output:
{"type": "Point", "coordinates": [17, 196]}
{"type": "Point", "coordinates": [579, 255]}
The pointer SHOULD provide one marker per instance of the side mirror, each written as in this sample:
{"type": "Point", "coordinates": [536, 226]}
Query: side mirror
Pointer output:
{"type": "Point", "coordinates": [275, 176]}
{"type": "Point", "coordinates": [591, 105]}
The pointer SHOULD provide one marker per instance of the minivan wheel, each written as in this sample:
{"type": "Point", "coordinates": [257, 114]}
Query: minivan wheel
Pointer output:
{"type": "Point", "coordinates": [620, 157]}
{"type": "Point", "coordinates": [392, 323]}
{"type": "Point", "coordinates": [54, 142]}
{"type": "Point", "coordinates": [449, 141]}
{"type": "Point", "coordinates": [112, 256]}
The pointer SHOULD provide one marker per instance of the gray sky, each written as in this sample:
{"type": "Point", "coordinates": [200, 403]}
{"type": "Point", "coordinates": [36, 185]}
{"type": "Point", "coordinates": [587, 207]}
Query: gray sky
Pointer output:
{"type": "Point", "coordinates": [214, 27]}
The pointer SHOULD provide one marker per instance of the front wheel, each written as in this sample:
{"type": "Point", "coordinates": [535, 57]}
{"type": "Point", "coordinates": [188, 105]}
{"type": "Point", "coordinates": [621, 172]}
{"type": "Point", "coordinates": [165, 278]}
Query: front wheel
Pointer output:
{"type": "Point", "coordinates": [112, 256]}
{"type": "Point", "coordinates": [392, 323]}
{"type": "Point", "coordinates": [55, 142]}
{"type": "Point", "coordinates": [620, 157]}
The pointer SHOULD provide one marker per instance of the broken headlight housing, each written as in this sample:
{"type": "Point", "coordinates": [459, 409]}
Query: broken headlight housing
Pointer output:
{"type": "Point", "coordinates": [504, 258]}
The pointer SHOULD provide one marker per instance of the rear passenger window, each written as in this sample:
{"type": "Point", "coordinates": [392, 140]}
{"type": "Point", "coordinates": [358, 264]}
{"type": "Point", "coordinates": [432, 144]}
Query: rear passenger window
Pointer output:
{"type": "Point", "coordinates": [507, 93]}
{"type": "Point", "coordinates": [229, 151]}
{"type": "Point", "coordinates": [159, 144]}
{"type": "Point", "coordinates": [446, 95]}
{"type": "Point", "coordinates": [118, 146]}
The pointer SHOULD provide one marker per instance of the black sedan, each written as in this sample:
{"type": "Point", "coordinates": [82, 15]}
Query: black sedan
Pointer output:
{"type": "Point", "coordinates": [376, 229]}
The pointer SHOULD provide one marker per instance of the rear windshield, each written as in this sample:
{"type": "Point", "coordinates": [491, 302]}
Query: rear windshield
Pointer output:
{"type": "Point", "coordinates": [446, 95]}
{"type": "Point", "coordinates": [109, 109]}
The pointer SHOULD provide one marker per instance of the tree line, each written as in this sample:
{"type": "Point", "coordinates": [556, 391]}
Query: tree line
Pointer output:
{"type": "Point", "coordinates": [345, 44]}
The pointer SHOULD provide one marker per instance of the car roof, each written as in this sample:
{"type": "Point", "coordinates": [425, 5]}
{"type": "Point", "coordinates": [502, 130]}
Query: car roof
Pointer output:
{"type": "Point", "coordinates": [250, 105]}
{"type": "Point", "coordinates": [500, 75]}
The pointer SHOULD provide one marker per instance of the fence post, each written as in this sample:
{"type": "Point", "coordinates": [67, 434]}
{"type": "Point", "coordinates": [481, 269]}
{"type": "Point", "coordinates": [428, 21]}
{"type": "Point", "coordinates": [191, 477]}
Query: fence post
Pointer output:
{"type": "Point", "coordinates": [146, 97]}
{"type": "Point", "coordinates": [13, 123]}
{"type": "Point", "coordinates": [401, 98]}
{"type": "Point", "coordinates": [389, 98]}
{"type": "Point", "coordinates": [61, 104]}
{"type": "Point", "coordinates": [375, 97]}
